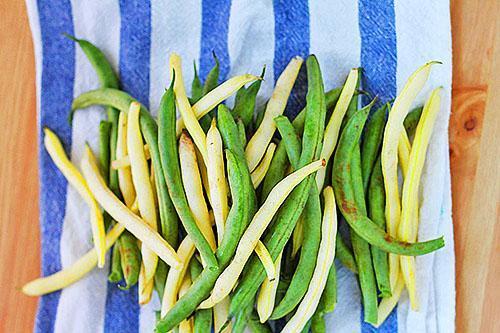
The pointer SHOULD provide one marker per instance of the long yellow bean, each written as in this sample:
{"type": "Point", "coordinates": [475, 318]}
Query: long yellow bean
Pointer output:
{"type": "Point", "coordinates": [266, 260]}
{"type": "Point", "coordinates": [217, 179]}
{"type": "Point", "coordinates": [254, 231]}
{"type": "Point", "coordinates": [260, 171]}
{"type": "Point", "coordinates": [193, 188]}
{"type": "Point", "coordinates": [75, 178]}
{"type": "Point", "coordinates": [175, 276]}
{"type": "Point", "coordinates": [389, 157]}
{"type": "Point", "coordinates": [120, 213]}
{"type": "Point", "coordinates": [257, 145]}
{"type": "Point", "coordinates": [124, 161]}
{"type": "Point", "coordinates": [142, 184]}
{"type": "Point", "coordinates": [326, 254]}
{"type": "Point", "coordinates": [332, 129]}
{"type": "Point", "coordinates": [217, 96]}
{"type": "Point", "coordinates": [73, 273]}
{"type": "Point", "coordinates": [124, 175]}
{"type": "Point", "coordinates": [408, 227]}
{"type": "Point", "coordinates": [267, 294]}
{"type": "Point", "coordinates": [184, 107]}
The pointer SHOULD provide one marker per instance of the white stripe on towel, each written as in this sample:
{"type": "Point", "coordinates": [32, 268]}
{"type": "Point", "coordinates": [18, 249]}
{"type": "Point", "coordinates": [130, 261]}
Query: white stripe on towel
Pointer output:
{"type": "Point", "coordinates": [252, 23]}
{"type": "Point", "coordinates": [433, 42]}
{"type": "Point", "coordinates": [335, 39]}
{"type": "Point", "coordinates": [175, 27]}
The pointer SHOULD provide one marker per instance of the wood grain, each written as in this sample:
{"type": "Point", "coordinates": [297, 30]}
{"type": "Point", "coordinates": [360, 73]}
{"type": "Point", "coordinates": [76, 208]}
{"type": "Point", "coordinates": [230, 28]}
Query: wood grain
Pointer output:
{"type": "Point", "coordinates": [474, 150]}
{"type": "Point", "coordinates": [19, 231]}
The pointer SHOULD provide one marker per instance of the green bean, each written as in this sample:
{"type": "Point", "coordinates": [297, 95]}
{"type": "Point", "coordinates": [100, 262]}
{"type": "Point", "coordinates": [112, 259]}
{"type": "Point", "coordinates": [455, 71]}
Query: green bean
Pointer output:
{"type": "Point", "coordinates": [244, 104]}
{"type": "Point", "coordinates": [371, 143]}
{"type": "Point", "coordinates": [160, 278]}
{"type": "Point", "coordinates": [113, 115]}
{"type": "Point", "coordinates": [289, 138]}
{"type": "Point", "coordinates": [241, 319]}
{"type": "Point", "coordinates": [202, 317]}
{"type": "Point", "coordinates": [331, 98]}
{"type": "Point", "coordinates": [376, 207]}
{"type": "Point", "coordinates": [211, 81]}
{"type": "Point", "coordinates": [360, 247]}
{"type": "Point", "coordinates": [239, 216]}
{"type": "Point", "coordinates": [279, 162]}
{"type": "Point", "coordinates": [312, 221]}
{"type": "Point", "coordinates": [255, 325]}
{"type": "Point", "coordinates": [259, 116]}
{"type": "Point", "coordinates": [107, 79]}
{"type": "Point", "coordinates": [318, 323]}
{"type": "Point", "coordinates": [411, 120]}
{"type": "Point", "coordinates": [286, 218]}
{"type": "Point", "coordinates": [344, 254]}
{"type": "Point", "coordinates": [196, 87]}
{"type": "Point", "coordinates": [130, 261]}
{"type": "Point", "coordinates": [229, 133]}
{"type": "Point", "coordinates": [307, 260]}
{"type": "Point", "coordinates": [276, 171]}
{"type": "Point", "coordinates": [242, 132]}
{"type": "Point", "coordinates": [104, 137]}
{"type": "Point", "coordinates": [361, 224]}
{"type": "Point", "coordinates": [330, 292]}
{"type": "Point", "coordinates": [130, 256]}
{"type": "Point", "coordinates": [169, 162]}
{"type": "Point", "coordinates": [115, 274]}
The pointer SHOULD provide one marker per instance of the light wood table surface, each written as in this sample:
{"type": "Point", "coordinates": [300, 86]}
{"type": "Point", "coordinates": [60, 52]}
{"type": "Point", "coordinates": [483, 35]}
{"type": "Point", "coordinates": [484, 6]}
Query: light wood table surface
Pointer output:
{"type": "Point", "coordinates": [474, 149]}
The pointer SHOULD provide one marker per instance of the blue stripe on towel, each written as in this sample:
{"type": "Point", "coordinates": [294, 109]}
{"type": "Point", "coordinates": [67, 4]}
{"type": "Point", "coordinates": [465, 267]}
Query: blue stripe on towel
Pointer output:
{"type": "Point", "coordinates": [122, 308]}
{"type": "Point", "coordinates": [214, 30]}
{"type": "Point", "coordinates": [291, 38]}
{"type": "Point", "coordinates": [377, 28]}
{"type": "Point", "coordinates": [135, 48]}
{"type": "Point", "coordinates": [58, 74]}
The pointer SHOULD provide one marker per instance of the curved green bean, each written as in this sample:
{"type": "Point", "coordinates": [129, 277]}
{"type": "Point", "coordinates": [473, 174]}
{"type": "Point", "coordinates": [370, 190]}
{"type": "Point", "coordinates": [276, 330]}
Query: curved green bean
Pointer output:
{"type": "Point", "coordinates": [241, 320]}
{"type": "Point", "coordinates": [360, 247]}
{"type": "Point", "coordinates": [211, 82]}
{"type": "Point", "coordinates": [276, 171]}
{"type": "Point", "coordinates": [370, 146]}
{"type": "Point", "coordinates": [255, 325]}
{"type": "Point", "coordinates": [107, 79]}
{"type": "Point", "coordinates": [196, 87]}
{"type": "Point", "coordinates": [115, 273]}
{"type": "Point", "coordinates": [244, 104]}
{"type": "Point", "coordinates": [169, 157]}
{"type": "Point", "coordinates": [130, 256]}
{"type": "Point", "coordinates": [289, 138]}
{"type": "Point", "coordinates": [307, 260]}
{"type": "Point", "coordinates": [202, 317]}
{"type": "Point", "coordinates": [376, 207]}
{"type": "Point", "coordinates": [344, 254]}
{"type": "Point", "coordinates": [361, 224]}
{"type": "Point", "coordinates": [411, 120]}
{"type": "Point", "coordinates": [238, 218]}
{"type": "Point", "coordinates": [242, 132]}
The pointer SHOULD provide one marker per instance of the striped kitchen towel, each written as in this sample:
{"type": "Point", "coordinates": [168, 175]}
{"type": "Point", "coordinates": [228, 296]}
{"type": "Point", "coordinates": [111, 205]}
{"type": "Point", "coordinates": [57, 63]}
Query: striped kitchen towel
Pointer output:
{"type": "Point", "coordinates": [388, 38]}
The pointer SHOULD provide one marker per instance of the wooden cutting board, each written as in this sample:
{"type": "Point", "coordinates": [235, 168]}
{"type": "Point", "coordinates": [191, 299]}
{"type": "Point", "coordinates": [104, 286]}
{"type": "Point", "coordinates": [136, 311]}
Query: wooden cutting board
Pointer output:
{"type": "Point", "coordinates": [474, 164]}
